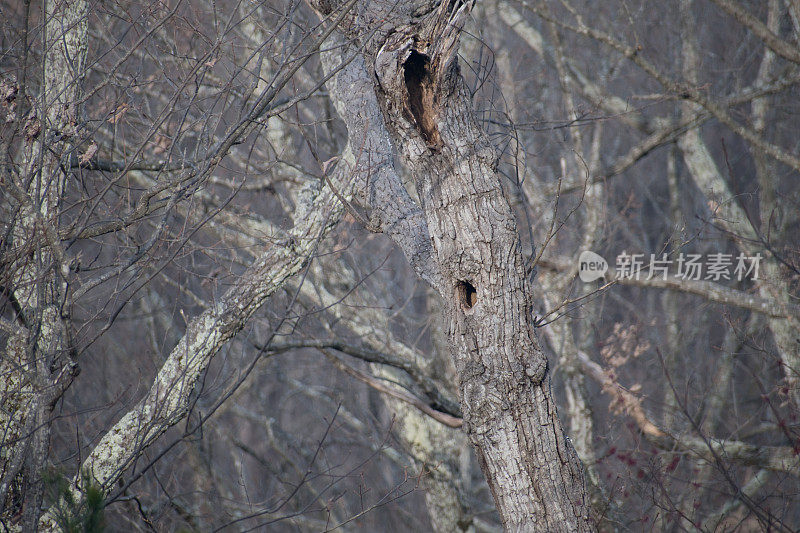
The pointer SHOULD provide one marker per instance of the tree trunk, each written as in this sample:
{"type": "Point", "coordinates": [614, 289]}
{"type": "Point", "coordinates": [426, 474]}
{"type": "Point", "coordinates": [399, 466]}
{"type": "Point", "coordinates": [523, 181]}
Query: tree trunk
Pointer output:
{"type": "Point", "coordinates": [509, 413]}
{"type": "Point", "coordinates": [35, 368]}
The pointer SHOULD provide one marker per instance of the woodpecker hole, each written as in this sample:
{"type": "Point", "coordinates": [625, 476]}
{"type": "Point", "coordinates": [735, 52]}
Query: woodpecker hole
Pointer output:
{"type": "Point", "coordinates": [420, 98]}
{"type": "Point", "coordinates": [467, 294]}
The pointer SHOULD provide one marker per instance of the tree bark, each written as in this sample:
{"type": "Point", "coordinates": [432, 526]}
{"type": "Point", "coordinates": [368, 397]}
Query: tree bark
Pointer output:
{"type": "Point", "coordinates": [35, 368]}
{"type": "Point", "coordinates": [510, 416]}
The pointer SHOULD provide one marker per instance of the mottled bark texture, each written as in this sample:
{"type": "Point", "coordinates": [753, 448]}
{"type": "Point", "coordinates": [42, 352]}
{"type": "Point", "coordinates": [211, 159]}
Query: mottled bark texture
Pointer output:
{"type": "Point", "coordinates": [510, 416]}
{"type": "Point", "coordinates": [36, 368]}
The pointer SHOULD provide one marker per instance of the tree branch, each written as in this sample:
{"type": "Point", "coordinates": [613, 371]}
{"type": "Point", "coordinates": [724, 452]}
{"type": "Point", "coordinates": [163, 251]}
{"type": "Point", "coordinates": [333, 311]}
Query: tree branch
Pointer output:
{"type": "Point", "coordinates": [777, 458]}
{"type": "Point", "coordinates": [760, 30]}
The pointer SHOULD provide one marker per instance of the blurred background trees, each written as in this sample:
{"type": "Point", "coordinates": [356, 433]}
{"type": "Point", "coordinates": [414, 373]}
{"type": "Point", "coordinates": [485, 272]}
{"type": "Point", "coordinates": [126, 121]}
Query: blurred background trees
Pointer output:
{"type": "Point", "coordinates": [168, 163]}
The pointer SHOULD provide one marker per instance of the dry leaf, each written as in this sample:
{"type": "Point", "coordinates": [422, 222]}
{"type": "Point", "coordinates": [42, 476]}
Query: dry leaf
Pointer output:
{"type": "Point", "coordinates": [32, 128]}
{"type": "Point", "coordinates": [118, 113]}
{"type": "Point", "coordinates": [8, 91]}
{"type": "Point", "coordinates": [89, 153]}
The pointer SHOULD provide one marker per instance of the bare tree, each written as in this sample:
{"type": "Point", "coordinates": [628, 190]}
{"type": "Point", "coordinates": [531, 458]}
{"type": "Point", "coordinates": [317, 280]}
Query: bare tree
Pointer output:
{"type": "Point", "coordinates": [288, 265]}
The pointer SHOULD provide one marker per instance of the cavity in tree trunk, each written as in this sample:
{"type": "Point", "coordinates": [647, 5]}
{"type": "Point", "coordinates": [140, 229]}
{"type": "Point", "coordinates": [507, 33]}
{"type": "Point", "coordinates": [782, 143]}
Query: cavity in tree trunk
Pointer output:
{"type": "Point", "coordinates": [509, 414]}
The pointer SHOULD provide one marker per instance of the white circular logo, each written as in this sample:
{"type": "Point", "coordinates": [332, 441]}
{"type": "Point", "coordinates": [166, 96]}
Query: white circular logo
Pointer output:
{"type": "Point", "coordinates": [591, 266]}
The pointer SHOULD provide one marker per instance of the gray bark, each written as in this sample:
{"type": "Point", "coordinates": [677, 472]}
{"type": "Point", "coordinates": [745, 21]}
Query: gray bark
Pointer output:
{"type": "Point", "coordinates": [36, 368]}
{"type": "Point", "coordinates": [509, 413]}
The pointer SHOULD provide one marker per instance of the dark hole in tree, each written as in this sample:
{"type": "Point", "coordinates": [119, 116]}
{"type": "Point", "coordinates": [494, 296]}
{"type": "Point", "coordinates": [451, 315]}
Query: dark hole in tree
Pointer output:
{"type": "Point", "coordinates": [419, 84]}
{"type": "Point", "coordinates": [467, 294]}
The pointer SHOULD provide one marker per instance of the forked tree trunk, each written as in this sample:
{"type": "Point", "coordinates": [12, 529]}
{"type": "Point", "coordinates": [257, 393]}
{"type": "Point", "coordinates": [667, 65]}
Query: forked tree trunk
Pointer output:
{"type": "Point", "coordinates": [510, 416]}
